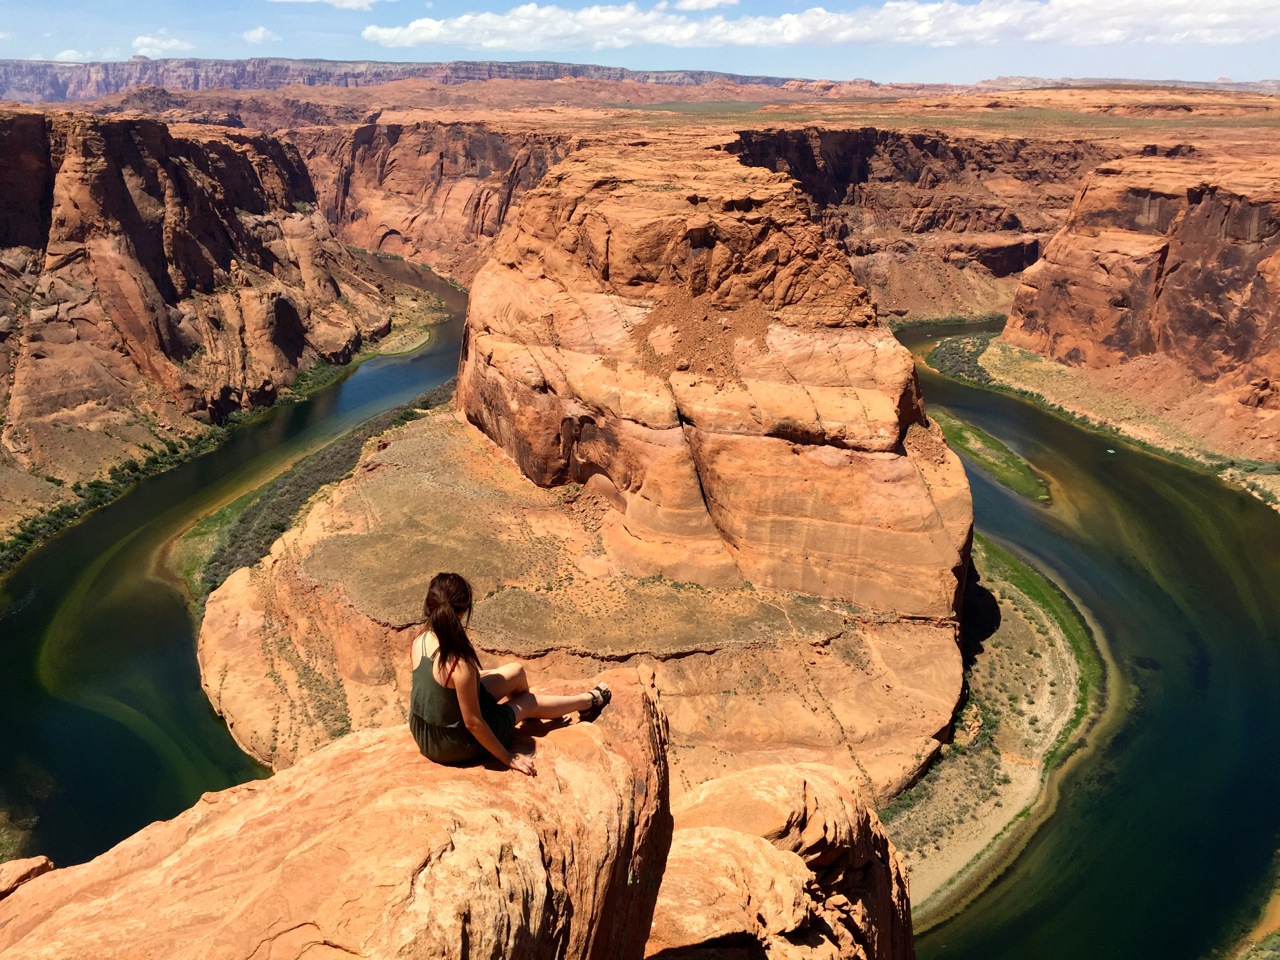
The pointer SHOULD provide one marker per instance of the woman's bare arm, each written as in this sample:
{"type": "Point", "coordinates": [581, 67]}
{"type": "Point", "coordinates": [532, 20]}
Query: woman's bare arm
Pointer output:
{"type": "Point", "coordinates": [466, 681]}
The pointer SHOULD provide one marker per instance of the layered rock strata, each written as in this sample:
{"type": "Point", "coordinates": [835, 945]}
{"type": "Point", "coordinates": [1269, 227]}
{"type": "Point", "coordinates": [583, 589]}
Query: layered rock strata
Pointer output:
{"type": "Point", "coordinates": [1167, 272]}
{"type": "Point", "coordinates": [666, 324]}
{"type": "Point", "coordinates": [369, 850]}
{"type": "Point", "coordinates": [933, 224]}
{"type": "Point", "coordinates": [37, 81]}
{"type": "Point", "coordinates": [150, 275]}
{"type": "Point", "coordinates": [434, 192]}
{"type": "Point", "coordinates": [781, 861]}
{"type": "Point", "coordinates": [314, 640]}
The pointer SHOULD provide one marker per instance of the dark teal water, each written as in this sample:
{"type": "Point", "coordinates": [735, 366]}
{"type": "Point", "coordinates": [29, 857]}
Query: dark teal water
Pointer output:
{"type": "Point", "coordinates": [1164, 841]}
{"type": "Point", "coordinates": [104, 726]}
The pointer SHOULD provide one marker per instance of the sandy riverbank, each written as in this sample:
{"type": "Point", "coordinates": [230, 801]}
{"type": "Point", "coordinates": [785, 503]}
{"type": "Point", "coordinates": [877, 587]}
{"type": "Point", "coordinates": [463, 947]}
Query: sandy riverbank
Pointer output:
{"type": "Point", "coordinates": [1032, 690]}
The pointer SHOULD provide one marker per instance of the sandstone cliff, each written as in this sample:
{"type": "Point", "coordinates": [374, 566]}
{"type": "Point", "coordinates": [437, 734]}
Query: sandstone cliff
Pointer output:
{"type": "Point", "coordinates": [369, 850]}
{"type": "Point", "coordinates": [665, 324]}
{"type": "Point", "coordinates": [314, 640]}
{"type": "Point", "coordinates": [1167, 273]}
{"type": "Point", "coordinates": [934, 224]}
{"type": "Point", "coordinates": [366, 849]}
{"type": "Point", "coordinates": [42, 81]}
{"type": "Point", "coordinates": [150, 275]}
{"type": "Point", "coordinates": [780, 862]}
{"type": "Point", "coordinates": [435, 192]}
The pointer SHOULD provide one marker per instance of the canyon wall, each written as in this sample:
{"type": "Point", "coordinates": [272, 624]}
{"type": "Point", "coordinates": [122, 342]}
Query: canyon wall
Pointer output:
{"type": "Point", "coordinates": [934, 225]}
{"type": "Point", "coordinates": [434, 192]}
{"type": "Point", "coordinates": [151, 277]}
{"type": "Point", "coordinates": [665, 324]}
{"type": "Point", "coordinates": [33, 81]}
{"type": "Point", "coordinates": [1167, 275]}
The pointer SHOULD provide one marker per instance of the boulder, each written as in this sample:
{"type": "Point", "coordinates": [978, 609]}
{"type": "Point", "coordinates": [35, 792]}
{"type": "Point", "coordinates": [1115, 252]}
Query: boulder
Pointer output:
{"type": "Point", "coordinates": [781, 861]}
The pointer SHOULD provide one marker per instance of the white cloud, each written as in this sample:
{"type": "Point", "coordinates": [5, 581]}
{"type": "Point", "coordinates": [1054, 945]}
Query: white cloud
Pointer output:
{"type": "Point", "coordinates": [704, 4]}
{"type": "Point", "coordinates": [533, 27]}
{"type": "Point", "coordinates": [160, 44]}
{"type": "Point", "coordinates": [73, 56]}
{"type": "Point", "coordinates": [340, 4]}
{"type": "Point", "coordinates": [260, 35]}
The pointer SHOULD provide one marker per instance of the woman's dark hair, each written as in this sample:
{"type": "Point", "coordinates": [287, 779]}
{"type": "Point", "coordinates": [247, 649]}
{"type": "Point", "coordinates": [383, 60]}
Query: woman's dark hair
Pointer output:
{"type": "Point", "coordinates": [448, 611]}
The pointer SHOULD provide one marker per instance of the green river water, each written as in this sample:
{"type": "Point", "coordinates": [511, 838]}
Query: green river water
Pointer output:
{"type": "Point", "coordinates": [1165, 836]}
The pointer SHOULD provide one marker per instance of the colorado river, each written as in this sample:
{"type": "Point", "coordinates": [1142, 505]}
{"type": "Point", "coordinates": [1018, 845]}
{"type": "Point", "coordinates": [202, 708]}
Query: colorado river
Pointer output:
{"type": "Point", "coordinates": [104, 726]}
{"type": "Point", "coordinates": [1165, 839]}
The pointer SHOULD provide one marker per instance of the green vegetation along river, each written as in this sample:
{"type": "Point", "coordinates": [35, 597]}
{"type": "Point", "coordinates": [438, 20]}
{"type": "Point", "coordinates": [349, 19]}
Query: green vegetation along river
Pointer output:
{"type": "Point", "coordinates": [104, 726]}
{"type": "Point", "coordinates": [1164, 840]}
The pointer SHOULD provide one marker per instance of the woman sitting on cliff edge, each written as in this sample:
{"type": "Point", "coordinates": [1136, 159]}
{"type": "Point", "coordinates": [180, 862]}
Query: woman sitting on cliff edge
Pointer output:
{"type": "Point", "coordinates": [458, 711]}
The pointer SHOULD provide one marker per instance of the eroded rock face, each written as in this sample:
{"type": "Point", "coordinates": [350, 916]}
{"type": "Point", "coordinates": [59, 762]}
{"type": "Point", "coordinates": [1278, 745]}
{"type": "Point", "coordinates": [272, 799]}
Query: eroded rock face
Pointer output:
{"type": "Point", "coordinates": [666, 325]}
{"type": "Point", "coordinates": [433, 192]}
{"type": "Point", "coordinates": [314, 640]}
{"type": "Point", "coordinates": [933, 224]}
{"type": "Point", "coordinates": [150, 274]}
{"type": "Point", "coordinates": [1176, 256]}
{"type": "Point", "coordinates": [367, 849]}
{"type": "Point", "coordinates": [785, 860]}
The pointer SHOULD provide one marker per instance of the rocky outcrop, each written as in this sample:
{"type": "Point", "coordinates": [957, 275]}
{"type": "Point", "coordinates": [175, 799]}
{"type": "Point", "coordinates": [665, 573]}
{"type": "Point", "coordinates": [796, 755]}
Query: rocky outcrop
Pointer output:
{"type": "Point", "coordinates": [1163, 287]}
{"type": "Point", "coordinates": [1177, 256]}
{"type": "Point", "coordinates": [666, 325]}
{"type": "Point", "coordinates": [780, 861]}
{"type": "Point", "coordinates": [314, 640]}
{"type": "Point", "coordinates": [14, 873]}
{"type": "Point", "coordinates": [367, 849]}
{"type": "Point", "coordinates": [933, 224]}
{"type": "Point", "coordinates": [434, 192]}
{"type": "Point", "coordinates": [150, 275]}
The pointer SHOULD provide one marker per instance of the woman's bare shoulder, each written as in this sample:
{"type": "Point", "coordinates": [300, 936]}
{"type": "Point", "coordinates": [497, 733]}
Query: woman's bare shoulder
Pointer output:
{"type": "Point", "coordinates": [424, 644]}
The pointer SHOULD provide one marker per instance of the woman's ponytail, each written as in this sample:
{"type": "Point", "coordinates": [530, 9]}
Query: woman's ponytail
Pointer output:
{"type": "Point", "coordinates": [448, 611]}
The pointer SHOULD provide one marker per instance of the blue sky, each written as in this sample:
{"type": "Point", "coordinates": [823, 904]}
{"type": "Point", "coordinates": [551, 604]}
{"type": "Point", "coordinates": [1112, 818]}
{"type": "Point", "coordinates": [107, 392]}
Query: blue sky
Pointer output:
{"type": "Point", "coordinates": [884, 40]}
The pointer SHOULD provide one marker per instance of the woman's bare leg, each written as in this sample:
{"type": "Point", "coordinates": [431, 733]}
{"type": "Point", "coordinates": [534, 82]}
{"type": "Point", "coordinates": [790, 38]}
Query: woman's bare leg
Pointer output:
{"type": "Point", "coordinates": [541, 706]}
{"type": "Point", "coordinates": [506, 681]}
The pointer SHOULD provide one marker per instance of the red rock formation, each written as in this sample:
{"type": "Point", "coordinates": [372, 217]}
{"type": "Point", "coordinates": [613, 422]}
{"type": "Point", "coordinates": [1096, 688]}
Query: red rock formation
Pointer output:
{"type": "Point", "coordinates": [1175, 256]}
{"type": "Point", "coordinates": [933, 224]}
{"type": "Point", "coordinates": [14, 873]}
{"type": "Point", "coordinates": [785, 860]}
{"type": "Point", "coordinates": [314, 639]}
{"type": "Point", "coordinates": [43, 81]}
{"type": "Point", "coordinates": [150, 273]}
{"type": "Point", "coordinates": [666, 324]}
{"type": "Point", "coordinates": [367, 849]}
{"type": "Point", "coordinates": [434, 192]}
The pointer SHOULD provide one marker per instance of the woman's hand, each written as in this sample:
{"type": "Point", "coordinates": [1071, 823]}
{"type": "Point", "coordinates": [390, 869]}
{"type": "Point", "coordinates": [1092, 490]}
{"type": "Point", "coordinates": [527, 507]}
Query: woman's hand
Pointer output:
{"type": "Point", "coordinates": [523, 763]}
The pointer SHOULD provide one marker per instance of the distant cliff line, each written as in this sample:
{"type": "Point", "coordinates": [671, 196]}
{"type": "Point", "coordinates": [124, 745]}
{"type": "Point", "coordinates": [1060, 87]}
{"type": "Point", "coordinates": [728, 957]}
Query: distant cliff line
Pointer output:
{"type": "Point", "coordinates": [31, 81]}
{"type": "Point", "coordinates": [44, 81]}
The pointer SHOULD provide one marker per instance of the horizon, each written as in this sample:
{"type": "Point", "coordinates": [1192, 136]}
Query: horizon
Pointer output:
{"type": "Point", "coordinates": [889, 41]}
{"type": "Point", "coordinates": [1041, 80]}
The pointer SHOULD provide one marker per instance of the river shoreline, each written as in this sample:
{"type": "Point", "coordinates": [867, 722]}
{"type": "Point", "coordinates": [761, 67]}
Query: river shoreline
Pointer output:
{"type": "Point", "coordinates": [1025, 763]}
{"type": "Point", "coordinates": [967, 859]}
{"type": "Point", "coordinates": [25, 533]}
{"type": "Point", "coordinates": [989, 363]}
